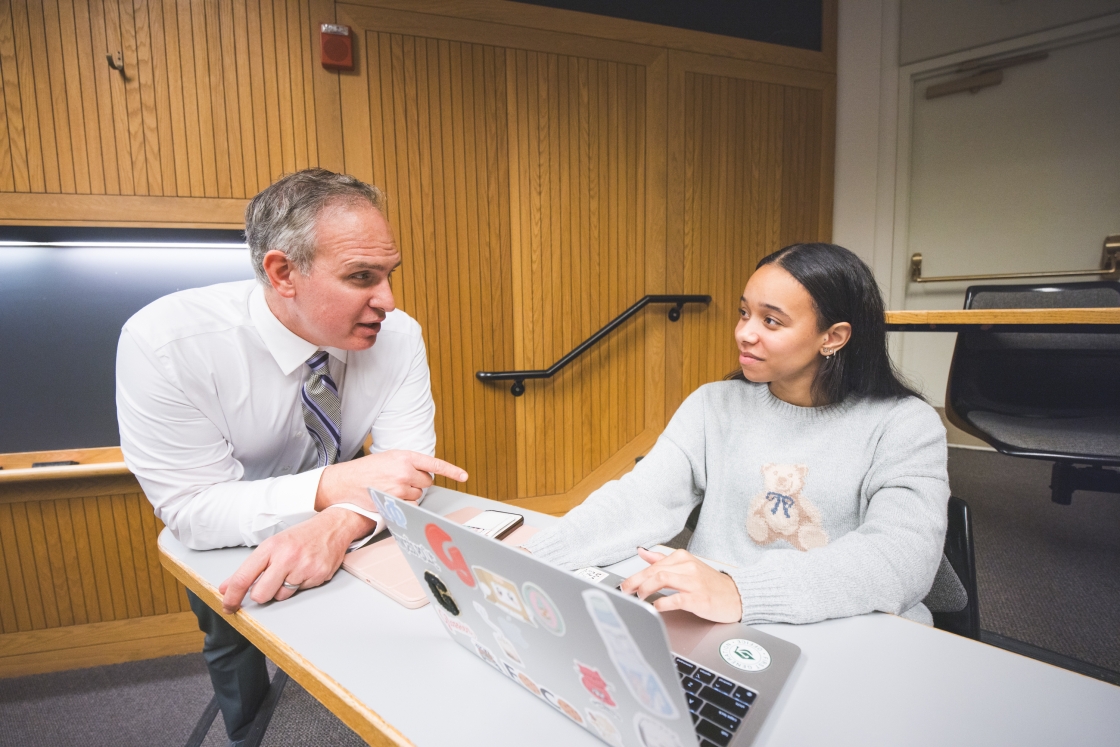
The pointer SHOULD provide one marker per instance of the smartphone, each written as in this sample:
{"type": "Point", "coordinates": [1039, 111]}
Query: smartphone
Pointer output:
{"type": "Point", "coordinates": [495, 524]}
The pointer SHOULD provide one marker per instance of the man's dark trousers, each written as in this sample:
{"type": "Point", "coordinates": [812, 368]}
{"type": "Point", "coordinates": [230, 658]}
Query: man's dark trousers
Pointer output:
{"type": "Point", "coordinates": [237, 669]}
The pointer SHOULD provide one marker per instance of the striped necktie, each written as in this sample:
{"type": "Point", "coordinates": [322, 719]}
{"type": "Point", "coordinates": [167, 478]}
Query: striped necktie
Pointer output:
{"type": "Point", "coordinates": [322, 409]}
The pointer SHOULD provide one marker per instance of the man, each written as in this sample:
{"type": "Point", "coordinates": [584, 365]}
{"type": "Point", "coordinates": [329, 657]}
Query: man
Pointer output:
{"type": "Point", "coordinates": [242, 406]}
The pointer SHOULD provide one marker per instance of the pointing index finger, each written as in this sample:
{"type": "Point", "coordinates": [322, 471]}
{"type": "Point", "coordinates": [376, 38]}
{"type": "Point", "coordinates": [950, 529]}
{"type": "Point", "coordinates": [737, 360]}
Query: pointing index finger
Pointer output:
{"type": "Point", "coordinates": [439, 467]}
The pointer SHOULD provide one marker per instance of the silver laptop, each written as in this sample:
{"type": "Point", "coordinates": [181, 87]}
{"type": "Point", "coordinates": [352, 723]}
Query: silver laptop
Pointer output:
{"type": "Point", "coordinates": [613, 664]}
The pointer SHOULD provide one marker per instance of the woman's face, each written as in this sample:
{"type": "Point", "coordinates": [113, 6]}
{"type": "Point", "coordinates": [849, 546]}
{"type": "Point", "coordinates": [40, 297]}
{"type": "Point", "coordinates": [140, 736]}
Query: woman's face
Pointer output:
{"type": "Point", "coordinates": [778, 335]}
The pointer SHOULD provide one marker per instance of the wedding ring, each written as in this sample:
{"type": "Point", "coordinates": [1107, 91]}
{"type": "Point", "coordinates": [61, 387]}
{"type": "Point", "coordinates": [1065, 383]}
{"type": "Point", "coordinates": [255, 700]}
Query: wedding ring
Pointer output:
{"type": "Point", "coordinates": [293, 587]}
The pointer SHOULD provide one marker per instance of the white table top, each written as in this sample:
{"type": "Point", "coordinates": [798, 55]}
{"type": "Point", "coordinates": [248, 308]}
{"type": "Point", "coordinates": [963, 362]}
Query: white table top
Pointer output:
{"type": "Point", "coordinates": [870, 680]}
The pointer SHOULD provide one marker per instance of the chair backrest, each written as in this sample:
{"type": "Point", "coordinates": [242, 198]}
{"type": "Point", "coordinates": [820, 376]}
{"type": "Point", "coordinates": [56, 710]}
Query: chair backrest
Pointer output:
{"type": "Point", "coordinates": [950, 612]}
{"type": "Point", "coordinates": [1035, 375]}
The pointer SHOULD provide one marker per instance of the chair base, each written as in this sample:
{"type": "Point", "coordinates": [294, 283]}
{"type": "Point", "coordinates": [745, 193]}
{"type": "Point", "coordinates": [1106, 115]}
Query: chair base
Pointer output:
{"type": "Point", "coordinates": [1065, 479]}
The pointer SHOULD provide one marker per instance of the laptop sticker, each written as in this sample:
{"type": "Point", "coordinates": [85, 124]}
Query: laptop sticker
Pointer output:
{"type": "Point", "coordinates": [528, 683]}
{"type": "Point", "coordinates": [743, 654]}
{"type": "Point", "coordinates": [542, 607]}
{"type": "Point", "coordinates": [511, 629]}
{"type": "Point", "coordinates": [507, 647]}
{"type": "Point", "coordinates": [653, 733]}
{"type": "Point", "coordinates": [592, 574]}
{"type": "Point", "coordinates": [502, 593]}
{"type": "Point", "coordinates": [440, 592]}
{"type": "Point", "coordinates": [455, 626]}
{"type": "Point", "coordinates": [487, 655]}
{"type": "Point", "coordinates": [390, 510]}
{"type": "Point", "coordinates": [561, 705]}
{"type": "Point", "coordinates": [415, 550]}
{"type": "Point", "coordinates": [605, 727]}
{"type": "Point", "coordinates": [448, 554]}
{"type": "Point", "coordinates": [594, 683]}
{"type": "Point", "coordinates": [639, 677]}
{"type": "Point", "coordinates": [503, 641]}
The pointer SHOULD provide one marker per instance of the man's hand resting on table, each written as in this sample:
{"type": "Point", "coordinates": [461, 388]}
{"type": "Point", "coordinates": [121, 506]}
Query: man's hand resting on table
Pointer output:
{"type": "Point", "coordinates": [701, 589]}
{"type": "Point", "coordinates": [310, 553]}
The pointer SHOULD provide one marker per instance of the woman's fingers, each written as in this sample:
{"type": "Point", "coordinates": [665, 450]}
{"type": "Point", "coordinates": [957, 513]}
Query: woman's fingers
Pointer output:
{"type": "Point", "coordinates": [664, 579]}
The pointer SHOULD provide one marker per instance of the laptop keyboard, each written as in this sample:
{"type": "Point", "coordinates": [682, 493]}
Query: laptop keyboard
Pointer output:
{"type": "Point", "coordinates": [717, 705]}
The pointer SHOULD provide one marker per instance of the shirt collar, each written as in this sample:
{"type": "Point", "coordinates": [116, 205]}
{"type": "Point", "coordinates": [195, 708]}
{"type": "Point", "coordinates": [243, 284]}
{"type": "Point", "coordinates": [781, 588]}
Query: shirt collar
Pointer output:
{"type": "Point", "coordinates": [289, 350]}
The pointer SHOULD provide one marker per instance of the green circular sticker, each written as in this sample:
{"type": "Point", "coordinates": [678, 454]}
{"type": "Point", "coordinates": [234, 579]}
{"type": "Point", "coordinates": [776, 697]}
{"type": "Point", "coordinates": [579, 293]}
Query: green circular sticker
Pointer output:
{"type": "Point", "coordinates": [743, 654]}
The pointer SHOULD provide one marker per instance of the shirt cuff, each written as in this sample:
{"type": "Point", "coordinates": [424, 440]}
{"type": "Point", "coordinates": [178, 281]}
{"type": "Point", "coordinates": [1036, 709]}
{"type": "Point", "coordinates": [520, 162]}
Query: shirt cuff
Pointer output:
{"type": "Point", "coordinates": [379, 523]}
{"type": "Point", "coordinates": [287, 501]}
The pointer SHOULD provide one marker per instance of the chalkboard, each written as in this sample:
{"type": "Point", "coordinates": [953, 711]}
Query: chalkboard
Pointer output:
{"type": "Point", "coordinates": [65, 293]}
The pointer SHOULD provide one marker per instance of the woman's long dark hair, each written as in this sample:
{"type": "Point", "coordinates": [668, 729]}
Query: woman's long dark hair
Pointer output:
{"type": "Point", "coordinates": [843, 289]}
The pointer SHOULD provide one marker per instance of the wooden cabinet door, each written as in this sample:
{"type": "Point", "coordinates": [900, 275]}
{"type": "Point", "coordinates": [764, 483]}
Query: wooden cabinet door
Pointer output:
{"type": "Point", "coordinates": [525, 176]}
{"type": "Point", "coordinates": [215, 100]}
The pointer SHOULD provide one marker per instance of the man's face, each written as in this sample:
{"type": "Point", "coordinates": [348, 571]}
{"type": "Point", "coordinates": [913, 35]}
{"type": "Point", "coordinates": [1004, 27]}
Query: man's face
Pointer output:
{"type": "Point", "coordinates": [344, 298]}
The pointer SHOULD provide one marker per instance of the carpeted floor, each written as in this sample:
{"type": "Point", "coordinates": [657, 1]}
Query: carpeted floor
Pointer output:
{"type": "Point", "coordinates": [1048, 576]}
{"type": "Point", "coordinates": [155, 702]}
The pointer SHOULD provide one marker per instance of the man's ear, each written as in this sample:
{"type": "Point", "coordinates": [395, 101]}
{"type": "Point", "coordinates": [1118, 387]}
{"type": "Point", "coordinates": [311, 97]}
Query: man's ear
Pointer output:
{"type": "Point", "coordinates": [278, 268]}
{"type": "Point", "coordinates": [837, 336]}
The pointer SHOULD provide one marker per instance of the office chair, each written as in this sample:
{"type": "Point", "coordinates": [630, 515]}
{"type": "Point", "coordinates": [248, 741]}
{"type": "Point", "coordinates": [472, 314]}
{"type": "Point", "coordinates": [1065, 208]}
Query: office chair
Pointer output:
{"type": "Point", "coordinates": [1043, 395]}
{"type": "Point", "coordinates": [952, 599]}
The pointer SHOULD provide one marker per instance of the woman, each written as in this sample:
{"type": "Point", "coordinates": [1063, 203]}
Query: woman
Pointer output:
{"type": "Point", "coordinates": [822, 475]}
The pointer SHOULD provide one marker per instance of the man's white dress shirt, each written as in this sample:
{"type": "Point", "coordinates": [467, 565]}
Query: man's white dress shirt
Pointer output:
{"type": "Point", "coordinates": [208, 403]}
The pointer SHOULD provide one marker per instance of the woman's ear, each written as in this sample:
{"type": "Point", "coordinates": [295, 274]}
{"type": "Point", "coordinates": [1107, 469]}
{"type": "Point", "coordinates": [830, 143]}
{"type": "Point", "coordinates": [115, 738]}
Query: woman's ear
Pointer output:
{"type": "Point", "coordinates": [836, 337]}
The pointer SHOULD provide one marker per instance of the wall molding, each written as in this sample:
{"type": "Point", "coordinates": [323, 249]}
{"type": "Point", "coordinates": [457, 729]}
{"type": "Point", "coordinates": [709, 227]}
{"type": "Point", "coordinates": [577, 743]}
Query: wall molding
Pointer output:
{"type": "Point", "coordinates": [18, 208]}
{"type": "Point", "coordinates": [97, 644]}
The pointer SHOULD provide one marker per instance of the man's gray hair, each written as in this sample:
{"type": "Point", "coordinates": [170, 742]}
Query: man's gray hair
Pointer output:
{"type": "Point", "coordinates": [283, 216]}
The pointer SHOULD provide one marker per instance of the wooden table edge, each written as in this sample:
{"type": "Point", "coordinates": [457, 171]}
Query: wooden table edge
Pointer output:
{"type": "Point", "coordinates": [336, 698]}
{"type": "Point", "coordinates": [66, 472]}
{"type": "Point", "coordinates": [1004, 316]}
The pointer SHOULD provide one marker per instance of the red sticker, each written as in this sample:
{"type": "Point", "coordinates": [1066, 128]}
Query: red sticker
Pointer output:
{"type": "Point", "coordinates": [453, 559]}
{"type": "Point", "coordinates": [594, 683]}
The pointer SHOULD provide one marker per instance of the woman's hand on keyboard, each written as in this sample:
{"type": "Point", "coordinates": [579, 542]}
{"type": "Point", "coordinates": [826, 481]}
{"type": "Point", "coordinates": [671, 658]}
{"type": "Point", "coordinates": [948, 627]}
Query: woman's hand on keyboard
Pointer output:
{"type": "Point", "coordinates": [701, 589]}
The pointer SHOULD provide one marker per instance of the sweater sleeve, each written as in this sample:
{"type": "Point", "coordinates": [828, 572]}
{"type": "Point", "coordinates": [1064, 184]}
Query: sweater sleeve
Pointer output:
{"type": "Point", "coordinates": [647, 506]}
{"type": "Point", "coordinates": [888, 563]}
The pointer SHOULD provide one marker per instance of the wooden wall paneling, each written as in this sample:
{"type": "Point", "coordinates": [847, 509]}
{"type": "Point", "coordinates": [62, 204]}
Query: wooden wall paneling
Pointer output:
{"type": "Point", "coordinates": [78, 552]}
{"type": "Point", "coordinates": [60, 590]}
{"type": "Point", "coordinates": [426, 116]}
{"type": "Point", "coordinates": [263, 86]}
{"type": "Point", "coordinates": [116, 106]}
{"type": "Point", "coordinates": [213, 93]}
{"type": "Point", "coordinates": [572, 23]}
{"type": "Point", "coordinates": [49, 78]}
{"type": "Point", "coordinates": [133, 107]}
{"type": "Point", "coordinates": [58, 20]}
{"type": "Point", "coordinates": [78, 26]}
{"type": "Point", "coordinates": [161, 152]}
{"type": "Point", "coordinates": [13, 155]}
{"type": "Point", "coordinates": [71, 569]}
{"type": "Point", "coordinates": [105, 160]}
{"type": "Point", "coordinates": [750, 163]}
{"type": "Point", "coordinates": [239, 94]}
{"type": "Point", "coordinates": [37, 125]}
{"type": "Point", "coordinates": [193, 45]}
{"type": "Point", "coordinates": [6, 180]}
{"type": "Point", "coordinates": [326, 94]}
{"type": "Point", "coordinates": [17, 616]}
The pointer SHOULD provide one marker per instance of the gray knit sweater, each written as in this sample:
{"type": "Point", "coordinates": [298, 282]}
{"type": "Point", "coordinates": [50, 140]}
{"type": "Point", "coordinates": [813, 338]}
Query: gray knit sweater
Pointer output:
{"type": "Point", "coordinates": [824, 511]}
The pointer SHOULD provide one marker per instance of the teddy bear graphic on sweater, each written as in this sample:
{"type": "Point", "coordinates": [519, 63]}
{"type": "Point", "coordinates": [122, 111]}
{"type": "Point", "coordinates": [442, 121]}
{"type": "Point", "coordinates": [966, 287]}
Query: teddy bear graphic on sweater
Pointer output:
{"type": "Point", "coordinates": [782, 512]}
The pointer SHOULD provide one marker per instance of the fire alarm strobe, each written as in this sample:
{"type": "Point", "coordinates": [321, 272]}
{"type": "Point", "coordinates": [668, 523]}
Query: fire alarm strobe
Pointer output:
{"type": "Point", "coordinates": [336, 47]}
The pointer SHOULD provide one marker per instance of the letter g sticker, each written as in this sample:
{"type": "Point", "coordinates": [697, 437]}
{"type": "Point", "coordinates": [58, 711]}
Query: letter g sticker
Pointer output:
{"type": "Point", "coordinates": [452, 558]}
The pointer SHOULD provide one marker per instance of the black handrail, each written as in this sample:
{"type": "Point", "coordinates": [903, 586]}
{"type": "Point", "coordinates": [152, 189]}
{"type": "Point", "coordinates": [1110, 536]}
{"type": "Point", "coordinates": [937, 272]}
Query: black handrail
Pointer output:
{"type": "Point", "coordinates": [518, 377]}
